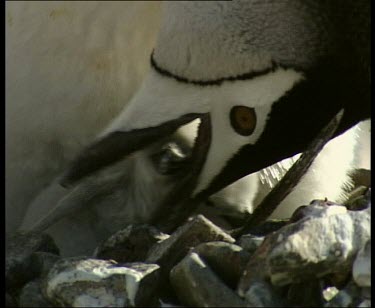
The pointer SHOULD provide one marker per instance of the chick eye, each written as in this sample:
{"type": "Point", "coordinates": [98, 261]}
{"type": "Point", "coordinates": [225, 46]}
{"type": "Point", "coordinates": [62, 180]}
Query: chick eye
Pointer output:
{"type": "Point", "coordinates": [243, 120]}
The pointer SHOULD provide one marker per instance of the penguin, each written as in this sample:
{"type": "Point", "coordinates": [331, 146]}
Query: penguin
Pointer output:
{"type": "Point", "coordinates": [132, 190]}
{"type": "Point", "coordinates": [265, 77]}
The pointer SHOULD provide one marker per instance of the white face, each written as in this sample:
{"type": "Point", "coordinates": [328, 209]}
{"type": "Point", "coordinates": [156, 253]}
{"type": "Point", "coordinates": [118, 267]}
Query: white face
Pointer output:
{"type": "Point", "coordinates": [161, 99]}
{"type": "Point", "coordinates": [259, 94]}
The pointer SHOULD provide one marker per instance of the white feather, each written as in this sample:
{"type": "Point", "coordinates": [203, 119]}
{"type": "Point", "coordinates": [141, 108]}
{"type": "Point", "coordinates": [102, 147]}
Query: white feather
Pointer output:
{"type": "Point", "coordinates": [71, 66]}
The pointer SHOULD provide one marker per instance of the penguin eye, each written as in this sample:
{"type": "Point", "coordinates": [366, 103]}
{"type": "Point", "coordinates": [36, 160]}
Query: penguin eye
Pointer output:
{"type": "Point", "coordinates": [243, 120]}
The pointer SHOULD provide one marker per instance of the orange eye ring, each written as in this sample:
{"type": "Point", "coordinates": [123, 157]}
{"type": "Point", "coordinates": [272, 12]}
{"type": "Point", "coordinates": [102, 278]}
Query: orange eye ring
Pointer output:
{"type": "Point", "coordinates": [243, 120]}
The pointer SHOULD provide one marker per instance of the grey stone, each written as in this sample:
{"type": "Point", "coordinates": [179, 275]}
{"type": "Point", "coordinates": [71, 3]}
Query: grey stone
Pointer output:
{"type": "Point", "coordinates": [261, 293]}
{"type": "Point", "coordinates": [342, 299]}
{"type": "Point", "coordinates": [317, 208]}
{"type": "Point", "coordinates": [306, 294]}
{"type": "Point", "coordinates": [254, 283]}
{"type": "Point", "coordinates": [320, 244]}
{"type": "Point", "coordinates": [268, 227]}
{"type": "Point", "coordinates": [197, 285]}
{"type": "Point", "coordinates": [365, 303]}
{"type": "Point", "coordinates": [197, 230]}
{"type": "Point", "coordinates": [250, 242]}
{"type": "Point", "coordinates": [10, 301]}
{"type": "Point", "coordinates": [366, 293]}
{"type": "Point", "coordinates": [31, 295]}
{"type": "Point", "coordinates": [325, 241]}
{"type": "Point", "coordinates": [350, 296]}
{"type": "Point", "coordinates": [19, 248]}
{"type": "Point", "coordinates": [167, 304]}
{"type": "Point", "coordinates": [78, 282]}
{"type": "Point", "coordinates": [362, 266]}
{"type": "Point", "coordinates": [361, 177]}
{"type": "Point", "coordinates": [359, 199]}
{"type": "Point", "coordinates": [227, 260]}
{"type": "Point", "coordinates": [42, 262]}
{"type": "Point", "coordinates": [130, 244]}
{"type": "Point", "coordinates": [254, 286]}
{"type": "Point", "coordinates": [338, 279]}
{"type": "Point", "coordinates": [329, 293]}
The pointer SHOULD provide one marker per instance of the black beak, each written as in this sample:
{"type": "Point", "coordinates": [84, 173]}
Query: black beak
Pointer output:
{"type": "Point", "coordinates": [179, 205]}
{"type": "Point", "coordinates": [116, 146]}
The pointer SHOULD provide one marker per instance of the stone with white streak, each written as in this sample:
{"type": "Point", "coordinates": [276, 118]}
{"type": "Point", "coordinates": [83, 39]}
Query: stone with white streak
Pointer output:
{"type": "Point", "coordinates": [362, 266]}
{"type": "Point", "coordinates": [31, 295]}
{"type": "Point", "coordinates": [197, 285]}
{"type": "Point", "coordinates": [19, 249]}
{"type": "Point", "coordinates": [262, 294]}
{"type": "Point", "coordinates": [78, 282]}
{"type": "Point", "coordinates": [250, 242]}
{"type": "Point", "coordinates": [196, 231]}
{"type": "Point", "coordinates": [130, 244]}
{"type": "Point", "coordinates": [227, 260]}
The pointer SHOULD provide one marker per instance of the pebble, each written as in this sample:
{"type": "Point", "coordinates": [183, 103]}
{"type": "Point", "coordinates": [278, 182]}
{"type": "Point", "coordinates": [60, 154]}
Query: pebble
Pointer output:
{"type": "Point", "coordinates": [197, 285]}
{"type": "Point", "coordinates": [18, 263]}
{"type": "Point", "coordinates": [130, 244]}
{"type": "Point", "coordinates": [82, 282]}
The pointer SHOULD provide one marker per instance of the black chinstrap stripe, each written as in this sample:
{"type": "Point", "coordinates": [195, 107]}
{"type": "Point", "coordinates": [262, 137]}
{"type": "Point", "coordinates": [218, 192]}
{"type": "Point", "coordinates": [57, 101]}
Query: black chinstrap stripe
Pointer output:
{"type": "Point", "coordinates": [215, 82]}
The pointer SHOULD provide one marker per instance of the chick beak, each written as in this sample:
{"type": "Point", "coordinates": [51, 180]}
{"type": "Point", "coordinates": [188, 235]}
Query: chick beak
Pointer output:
{"type": "Point", "coordinates": [180, 202]}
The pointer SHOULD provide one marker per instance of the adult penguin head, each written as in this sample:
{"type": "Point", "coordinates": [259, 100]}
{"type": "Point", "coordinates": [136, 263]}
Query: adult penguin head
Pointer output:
{"type": "Point", "coordinates": [263, 76]}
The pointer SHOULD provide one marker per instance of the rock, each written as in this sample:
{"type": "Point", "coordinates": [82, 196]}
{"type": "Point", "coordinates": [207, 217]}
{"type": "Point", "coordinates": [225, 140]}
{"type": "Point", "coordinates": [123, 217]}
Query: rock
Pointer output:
{"type": "Point", "coordinates": [250, 242]}
{"type": "Point", "coordinates": [258, 291]}
{"type": "Point", "coordinates": [362, 266]}
{"type": "Point", "coordinates": [165, 304]}
{"type": "Point", "coordinates": [227, 260]}
{"type": "Point", "coordinates": [197, 230]}
{"type": "Point", "coordinates": [330, 293]}
{"type": "Point", "coordinates": [197, 285]}
{"type": "Point", "coordinates": [338, 279]}
{"type": "Point", "coordinates": [254, 284]}
{"type": "Point", "coordinates": [19, 248]}
{"type": "Point", "coordinates": [350, 296]}
{"type": "Point", "coordinates": [324, 242]}
{"type": "Point", "coordinates": [366, 293]}
{"type": "Point", "coordinates": [318, 208]}
{"type": "Point", "coordinates": [306, 294]}
{"type": "Point", "coordinates": [78, 282]}
{"type": "Point", "coordinates": [365, 303]}
{"type": "Point", "coordinates": [10, 301]}
{"type": "Point", "coordinates": [261, 293]}
{"type": "Point", "coordinates": [361, 177]}
{"type": "Point", "coordinates": [130, 244]}
{"type": "Point", "coordinates": [342, 299]}
{"type": "Point", "coordinates": [268, 226]}
{"type": "Point", "coordinates": [42, 262]}
{"type": "Point", "coordinates": [359, 199]}
{"type": "Point", "coordinates": [31, 295]}
{"type": "Point", "coordinates": [300, 253]}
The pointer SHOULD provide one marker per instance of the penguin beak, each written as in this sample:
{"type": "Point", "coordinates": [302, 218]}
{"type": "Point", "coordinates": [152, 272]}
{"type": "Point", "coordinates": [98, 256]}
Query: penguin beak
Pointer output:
{"type": "Point", "coordinates": [116, 146]}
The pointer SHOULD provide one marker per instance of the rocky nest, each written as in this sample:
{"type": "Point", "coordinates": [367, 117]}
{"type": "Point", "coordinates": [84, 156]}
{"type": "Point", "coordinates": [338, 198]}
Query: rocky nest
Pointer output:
{"type": "Point", "coordinates": [321, 257]}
